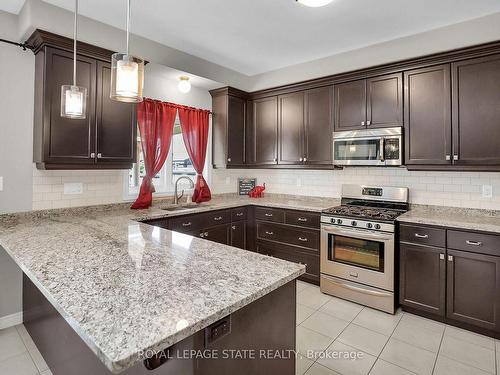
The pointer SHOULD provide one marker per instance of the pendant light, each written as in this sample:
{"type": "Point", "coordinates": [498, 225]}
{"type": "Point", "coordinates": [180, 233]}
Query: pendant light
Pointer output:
{"type": "Point", "coordinates": [314, 3]}
{"type": "Point", "coordinates": [73, 97]}
{"type": "Point", "coordinates": [127, 73]}
{"type": "Point", "coordinates": [184, 85]}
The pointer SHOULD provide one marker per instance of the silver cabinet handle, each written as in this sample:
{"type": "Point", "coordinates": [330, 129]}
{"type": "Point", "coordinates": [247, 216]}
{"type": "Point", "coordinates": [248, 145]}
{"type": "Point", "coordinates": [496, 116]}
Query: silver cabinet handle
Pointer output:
{"type": "Point", "coordinates": [305, 159]}
{"type": "Point", "coordinates": [418, 235]}
{"type": "Point", "coordinates": [268, 215]}
{"type": "Point", "coordinates": [269, 233]}
{"type": "Point", "coordinates": [303, 239]}
{"type": "Point", "coordinates": [205, 234]}
{"type": "Point", "coordinates": [455, 157]}
{"type": "Point", "coordinates": [233, 227]}
{"type": "Point", "coordinates": [304, 264]}
{"type": "Point", "coordinates": [239, 214]}
{"type": "Point", "coordinates": [99, 155]}
{"type": "Point", "coordinates": [441, 256]}
{"type": "Point", "coordinates": [188, 224]}
{"type": "Point", "coordinates": [474, 243]}
{"type": "Point", "coordinates": [362, 123]}
{"type": "Point", "coordinates": [201, 235]}
{"type": "Point", "coordinates": [368, 123]}
{"type": "Point", "coordinates": [450, 258]}
{"type": "Point", "coordinates": [300, 159]}
{"type": "Point", "coordinates": [229, 160]}
{"type": "Point", "coordinates": [303, 219]}
{"type": "Point", "coordinates": [448, 157]}
{"type": "Point", "coordinates": [275, 160]}
{"type": "Point", "coordinates": [92, 155]}
{"type": "Point", "coordinates": [218, 218]}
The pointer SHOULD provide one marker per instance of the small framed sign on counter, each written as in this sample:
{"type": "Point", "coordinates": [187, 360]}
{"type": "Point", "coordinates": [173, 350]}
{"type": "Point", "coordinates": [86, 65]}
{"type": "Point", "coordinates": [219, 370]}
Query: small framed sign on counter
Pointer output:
{"type": "Point", "coordinates": [245, 185]}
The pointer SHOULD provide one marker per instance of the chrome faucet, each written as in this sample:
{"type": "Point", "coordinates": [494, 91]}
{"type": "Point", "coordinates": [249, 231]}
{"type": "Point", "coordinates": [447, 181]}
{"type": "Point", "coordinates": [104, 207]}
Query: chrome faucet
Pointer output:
{"type": "Point", "coordinates": [176, 197]}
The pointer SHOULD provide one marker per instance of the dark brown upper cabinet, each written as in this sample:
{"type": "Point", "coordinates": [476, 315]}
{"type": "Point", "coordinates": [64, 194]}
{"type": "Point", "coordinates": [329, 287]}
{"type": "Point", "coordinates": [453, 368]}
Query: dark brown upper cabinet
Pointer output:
{"type": "Point", "coordinates": [427, 116]}
{"type": "Point", "coordinates": [228, 127]}
{"type": "Point", "coordinates": [106, 138]}
{"type": "Point", "coordinates": [263, 149]}
{"type": "Point", "coordinates": [375, 102]}
{"type": "Point", "coordinates": [291, 128]}
{"type": "Point", "coordinates": [476, 111]}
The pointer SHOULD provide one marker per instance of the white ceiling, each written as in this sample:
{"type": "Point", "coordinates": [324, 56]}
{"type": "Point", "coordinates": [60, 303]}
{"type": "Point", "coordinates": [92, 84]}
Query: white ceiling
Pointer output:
{"type": "Point", "coordinates": [11, 6]}
{"type": "Point", "coordinates": [256, 36]}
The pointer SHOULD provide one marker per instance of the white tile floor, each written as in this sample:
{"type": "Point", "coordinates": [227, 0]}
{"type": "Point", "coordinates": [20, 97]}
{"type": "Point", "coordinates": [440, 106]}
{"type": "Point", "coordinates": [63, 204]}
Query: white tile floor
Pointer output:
{"type": "Point", "coordinates": [389, 345]}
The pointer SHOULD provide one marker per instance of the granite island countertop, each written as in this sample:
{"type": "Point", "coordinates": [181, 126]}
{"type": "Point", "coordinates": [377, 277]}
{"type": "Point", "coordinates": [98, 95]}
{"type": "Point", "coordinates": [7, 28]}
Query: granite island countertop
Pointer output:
{"type": "Point", "coordinates": [126, 287]}
{"type": "Point", "coordinates": [453, 217]}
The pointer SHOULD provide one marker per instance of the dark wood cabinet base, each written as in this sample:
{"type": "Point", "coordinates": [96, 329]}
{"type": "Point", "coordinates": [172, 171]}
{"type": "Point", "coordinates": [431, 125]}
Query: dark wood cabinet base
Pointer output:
{"type": "Point", "coordinates": [266, 324]}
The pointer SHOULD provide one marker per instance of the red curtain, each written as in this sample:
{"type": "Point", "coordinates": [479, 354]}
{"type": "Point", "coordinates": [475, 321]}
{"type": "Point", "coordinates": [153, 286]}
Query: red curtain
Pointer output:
{"type": "Point", "coordinates": [156, 122]}
{"type": "Point", "coordinates": [194, 123]}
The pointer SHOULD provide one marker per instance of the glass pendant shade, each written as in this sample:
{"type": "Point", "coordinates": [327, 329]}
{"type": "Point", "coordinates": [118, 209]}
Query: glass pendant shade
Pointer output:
{"type": "Point", "coordinates": [127, 78]}
{"type": "Point", "coordinates": [184, 85]}
{"type": "Point", "coordinates": [314, 3]}
{"type": "Point", "coordinates": [73, 102]}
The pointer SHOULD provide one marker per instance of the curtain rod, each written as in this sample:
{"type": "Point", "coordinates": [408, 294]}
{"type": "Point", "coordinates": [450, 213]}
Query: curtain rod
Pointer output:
{"type": "Point", "coordinates": [24, 45]}
{"type": "Point", "coordinates": [180, 105]}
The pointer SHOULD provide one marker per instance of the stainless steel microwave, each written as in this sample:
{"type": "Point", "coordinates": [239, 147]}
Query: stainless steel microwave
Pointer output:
{"type": "Point", "coordinates": [370, 147]}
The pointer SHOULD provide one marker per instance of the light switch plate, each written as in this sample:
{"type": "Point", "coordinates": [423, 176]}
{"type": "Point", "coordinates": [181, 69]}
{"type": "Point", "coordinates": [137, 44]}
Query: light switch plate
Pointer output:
{"type": "Point", "coordinates": [487, 191]}
{"type": "Point", "coordinates": [72, 188]}
{"type": "Point", "coordinates": [1, 183]}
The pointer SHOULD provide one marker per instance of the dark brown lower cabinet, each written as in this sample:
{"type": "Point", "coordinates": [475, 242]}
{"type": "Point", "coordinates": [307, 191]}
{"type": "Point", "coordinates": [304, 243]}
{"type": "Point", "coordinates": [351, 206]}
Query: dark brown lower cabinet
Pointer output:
{"type": "Point", "coordinates": [239, 234]}
{"type": "Point", "coordinates": [473, 294]}
{"type": "Point", "coordinates": [422, 275]}
{"type": "Point", "coordinates": [218, 233]}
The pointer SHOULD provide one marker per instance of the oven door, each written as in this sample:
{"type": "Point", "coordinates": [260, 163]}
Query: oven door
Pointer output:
{"type": "Point", "coordinates": [359, 255]}
{"type": "Point", "coordinates": [358, 151]}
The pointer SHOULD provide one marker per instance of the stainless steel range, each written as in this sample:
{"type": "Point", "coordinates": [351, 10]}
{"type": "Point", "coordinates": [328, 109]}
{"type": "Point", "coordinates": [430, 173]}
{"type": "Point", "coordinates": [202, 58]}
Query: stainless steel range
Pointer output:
{"type": "Point", "coordinates": [357, 245]}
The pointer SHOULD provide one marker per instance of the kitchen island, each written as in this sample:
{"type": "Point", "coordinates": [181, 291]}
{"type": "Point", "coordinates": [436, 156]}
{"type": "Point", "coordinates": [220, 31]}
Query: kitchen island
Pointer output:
{"type": "Point", "coordinates": [104, 292]}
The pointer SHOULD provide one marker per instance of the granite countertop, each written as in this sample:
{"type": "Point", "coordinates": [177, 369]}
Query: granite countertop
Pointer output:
{"type": "Point", "coordinates": [451, 217]}
{"type": "Point", "coordinates": [126, 287]}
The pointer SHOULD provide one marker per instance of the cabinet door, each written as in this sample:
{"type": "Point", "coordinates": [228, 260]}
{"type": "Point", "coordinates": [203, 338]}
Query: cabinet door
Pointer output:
{"type": "Point", "coordinates": [291, 128]}
{"type": "Point", "coordinates": [219, 130]}
{"type": "Point", "coordinates": [422, 278]}
{"type": "Point", "coordinates": [473, 294]}
{"type": "Point", "coordinates": [116, 123]}
{"type": "Point", "coordinates": [428, 116]}
{"type": "Point", "coordinates": [350, 105]}
{"type": "Point", "coordinates": [236, 131]}
{"type": "Point", "coordinates": [384, 104]}
{"type": "Point", "coordinates": [218, 233]}
{"type": "Point", "coordinates": [68, 141]}
{"type": "Point", "coordinates": [265, 129]}
{"type": "Point", "coordinates": [318, 108]}
{"type": "Point", "coordinates": [476, 111]}
{"type": "Point", "coordinates": [239, 234]}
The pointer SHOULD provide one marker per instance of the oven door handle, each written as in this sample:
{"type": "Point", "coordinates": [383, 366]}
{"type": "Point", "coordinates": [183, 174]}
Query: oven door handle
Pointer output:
{"type": "Point", "coordinates": [382, 150]}
{"type": "Point", "coordinates": [359, 233]}
{"type": "Point", "coordinates": [363, 290]}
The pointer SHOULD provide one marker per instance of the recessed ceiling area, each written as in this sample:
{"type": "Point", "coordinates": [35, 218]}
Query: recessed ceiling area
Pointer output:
{"type": "Point", "coordinates": [253, 37]}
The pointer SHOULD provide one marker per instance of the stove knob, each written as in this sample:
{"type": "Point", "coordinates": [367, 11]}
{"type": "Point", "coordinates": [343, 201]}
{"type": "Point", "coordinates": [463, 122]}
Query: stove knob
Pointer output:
{"type": "Point", "coordinates": [369, 225]}
{"type": "Point", "coordinates": [377, 226]}
{"type": "Point", "coordinates": [339, 221]}
{"type": "Point", "coordinates": [332, 220]}
{"type": "Point", "coordinates": [354, 223]}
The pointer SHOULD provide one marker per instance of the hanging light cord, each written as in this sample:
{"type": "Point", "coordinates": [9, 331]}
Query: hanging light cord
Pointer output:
{"type": "Point", "coordinates": [24, 45]}
{"type": "Point", "coordinates": [128, 23]}
{"type": "Point", "coordinates": [75, 29]}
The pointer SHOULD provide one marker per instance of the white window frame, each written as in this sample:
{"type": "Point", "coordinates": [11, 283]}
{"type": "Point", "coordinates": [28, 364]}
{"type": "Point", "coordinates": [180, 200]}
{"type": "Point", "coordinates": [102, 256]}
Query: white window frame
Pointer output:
{"type": "Point", "coordinates": [167, 189]}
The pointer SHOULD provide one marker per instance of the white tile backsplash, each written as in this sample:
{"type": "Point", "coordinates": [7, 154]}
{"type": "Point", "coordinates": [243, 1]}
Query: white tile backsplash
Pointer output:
{"type": "Point", "coordinates": [458, 189]}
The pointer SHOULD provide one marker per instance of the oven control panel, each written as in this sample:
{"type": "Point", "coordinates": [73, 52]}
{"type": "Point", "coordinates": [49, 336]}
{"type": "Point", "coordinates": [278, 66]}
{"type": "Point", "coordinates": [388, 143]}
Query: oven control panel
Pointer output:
{"type": "Point", "coordinates": [355, 223]}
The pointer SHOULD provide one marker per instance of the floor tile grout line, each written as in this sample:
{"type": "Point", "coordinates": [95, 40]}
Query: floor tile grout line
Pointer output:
{"type": "Point", "coordinates": [466, 364]}
{"type": "Point", "coordinates": [28, 350]}
{"type": "Point", "coordinates": [439, 349]}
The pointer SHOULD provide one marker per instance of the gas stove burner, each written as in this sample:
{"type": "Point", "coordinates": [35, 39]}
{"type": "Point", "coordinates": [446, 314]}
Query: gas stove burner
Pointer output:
{"type": "Point", "coordinates": [365, 212]}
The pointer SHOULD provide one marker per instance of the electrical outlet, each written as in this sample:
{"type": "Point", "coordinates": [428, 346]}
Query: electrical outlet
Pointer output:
{"type": "Point", "coordinates": [1, 183]}
{"type": "Point", "coordinates": [487, 191]}
{"type": "Point", "coordinates": [72, 188]}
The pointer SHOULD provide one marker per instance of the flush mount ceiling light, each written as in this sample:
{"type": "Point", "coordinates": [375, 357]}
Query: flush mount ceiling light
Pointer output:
{"type": "Point", "coordinates": [127, 73]}
{"type": "Point", "coordinates": [184, 85]}
{"type": "Point", "coordinates": [314, 3]}
{"type": "Point", "coordinates": [73, 97]}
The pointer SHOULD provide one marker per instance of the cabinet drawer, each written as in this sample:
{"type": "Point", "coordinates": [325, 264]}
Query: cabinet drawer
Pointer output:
{"type": "Point", "coordinates": [185, 224]}
{"type": "Point", "coordinates": [161, 223]}
{"type": "Point", "coordinates": [292, 254]}
{"type": "Point", "coordinates": [474, 242]}
{"type": "Point", "coordinates": [216, 217]}
{"type": "Point", "coordinates": [423, 235]}
{"type": "Point", "coordinates": [270, 214]}
{"type": "Point", "coordinates": [303, 219]}
{"type": "Point", "coordinates": [238, 214]}
{"type": "Point", "coordinates": [288, 235]}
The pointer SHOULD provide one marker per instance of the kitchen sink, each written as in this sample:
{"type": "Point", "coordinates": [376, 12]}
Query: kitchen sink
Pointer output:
{"type": "Point", "coordinates": [181, 207]}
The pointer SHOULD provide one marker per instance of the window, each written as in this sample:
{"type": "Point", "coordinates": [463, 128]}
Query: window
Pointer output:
{"type": "Point", "coordinates": [177, 164]}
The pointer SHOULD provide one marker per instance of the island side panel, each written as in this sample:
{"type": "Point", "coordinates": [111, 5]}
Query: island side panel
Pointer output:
{"type": "Point", "coordinates": [268, 323]}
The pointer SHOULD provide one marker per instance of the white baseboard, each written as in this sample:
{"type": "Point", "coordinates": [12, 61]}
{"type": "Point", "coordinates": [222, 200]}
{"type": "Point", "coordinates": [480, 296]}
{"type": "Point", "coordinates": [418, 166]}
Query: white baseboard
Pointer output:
{"type": "Point", "coordinates": [11, 320]}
